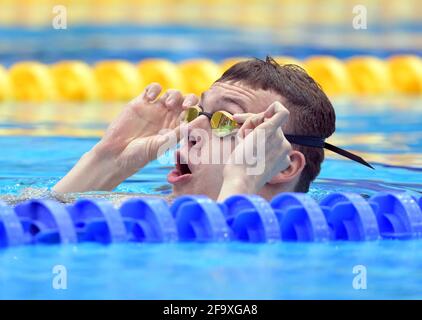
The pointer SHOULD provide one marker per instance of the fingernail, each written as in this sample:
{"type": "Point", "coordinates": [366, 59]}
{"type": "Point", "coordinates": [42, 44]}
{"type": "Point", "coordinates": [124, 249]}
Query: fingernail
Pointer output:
{"type": "Point", "coordinates": [150, 94]}
{"type": "Point", "coordinates": [187, 103]}
{"type": "Point", "coordinates": [170, 101]}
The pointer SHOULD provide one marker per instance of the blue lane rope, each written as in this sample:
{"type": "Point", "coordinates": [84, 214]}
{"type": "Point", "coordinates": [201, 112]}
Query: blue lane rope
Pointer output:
{"type": "Point", "coordinates": [247, 218]}
{"type": "Point", "coordinates": [350, 217]}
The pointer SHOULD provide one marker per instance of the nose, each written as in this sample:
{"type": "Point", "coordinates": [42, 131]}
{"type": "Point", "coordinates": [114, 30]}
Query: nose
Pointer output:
{"type": "Point", "coordinates": [196, 131]}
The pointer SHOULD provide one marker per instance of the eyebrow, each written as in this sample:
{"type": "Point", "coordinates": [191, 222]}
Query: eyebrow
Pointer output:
{"type": "Point", "coordinates": [231, 100]}
{"type": "Point", "coordinates": [227, 100]}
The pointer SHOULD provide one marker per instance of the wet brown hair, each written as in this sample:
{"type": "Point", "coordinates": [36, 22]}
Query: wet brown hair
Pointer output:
{"type": "Point", "coordinates": [311, 112]}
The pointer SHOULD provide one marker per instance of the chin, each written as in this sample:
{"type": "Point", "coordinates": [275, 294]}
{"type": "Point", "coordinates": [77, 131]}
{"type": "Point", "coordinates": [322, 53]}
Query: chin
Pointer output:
{"type": "Point", "coordinates": [192, 189]}
{"type": "Point", "coordinates": [180, 190]}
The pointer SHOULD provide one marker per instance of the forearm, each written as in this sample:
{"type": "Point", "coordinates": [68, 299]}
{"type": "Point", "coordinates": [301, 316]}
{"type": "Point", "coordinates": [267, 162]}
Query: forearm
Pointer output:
{"type": "Point", "coordinates": [91, 173]}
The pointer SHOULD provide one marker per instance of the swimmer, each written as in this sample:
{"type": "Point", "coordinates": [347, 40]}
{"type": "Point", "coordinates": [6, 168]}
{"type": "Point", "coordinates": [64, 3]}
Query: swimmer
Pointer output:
{"type": "Point", "coordinates": [255, 96]}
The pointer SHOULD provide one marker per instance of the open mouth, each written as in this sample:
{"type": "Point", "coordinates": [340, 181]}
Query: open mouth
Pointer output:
{"type": "Point", "coordinates": [181, 172]}
{"type": "Point", "coordinates": [184, 169]}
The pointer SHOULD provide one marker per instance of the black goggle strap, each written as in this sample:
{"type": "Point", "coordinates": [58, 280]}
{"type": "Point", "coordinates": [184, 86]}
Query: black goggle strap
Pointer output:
{"type": "Point", "coordinates": [317, 142]}
{"type": "Point", "coordinates": [207, 114]}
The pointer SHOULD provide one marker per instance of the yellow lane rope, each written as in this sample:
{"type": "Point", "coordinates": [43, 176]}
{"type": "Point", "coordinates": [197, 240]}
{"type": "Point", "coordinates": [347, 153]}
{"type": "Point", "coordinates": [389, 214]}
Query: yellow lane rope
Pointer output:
{"type": "Point", "coordinates": [119, 80]}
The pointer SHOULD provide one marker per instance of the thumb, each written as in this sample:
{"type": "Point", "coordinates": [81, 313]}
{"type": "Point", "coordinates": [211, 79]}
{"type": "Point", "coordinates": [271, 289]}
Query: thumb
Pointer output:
{"type": "Point", "coordinates": [178, 132]}
{"type": "Point", "coordinates": [169, 138]}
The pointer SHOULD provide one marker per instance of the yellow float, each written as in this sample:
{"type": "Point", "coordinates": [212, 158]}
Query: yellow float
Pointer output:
{"type": "Point", "coordinates": [406, 73]}
{"type": "Point", "coordinates": [166, 73]}
{"type": "Point", "coordinates": [74, 80]}
{"type": "Point", "coordinates": [330, 73]}
{"type": "Point", "coordinates": [117, 80]}
{"type": "Point", "coordinates": [31, 81]}
{"type": "Point", "coordinates": [199, 74]}
{"type": "Point", "coordinates": [369, 75]}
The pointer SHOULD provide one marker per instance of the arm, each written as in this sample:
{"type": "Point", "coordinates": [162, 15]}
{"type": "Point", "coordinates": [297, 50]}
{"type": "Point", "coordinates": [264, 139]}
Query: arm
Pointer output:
{"type": "Point", "coordinates": [92, 172]}
{"type": "Point", "coordinates": [131, 141]}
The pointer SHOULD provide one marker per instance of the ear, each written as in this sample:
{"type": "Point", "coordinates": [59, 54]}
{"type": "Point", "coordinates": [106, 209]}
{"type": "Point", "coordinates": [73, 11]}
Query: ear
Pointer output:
{"type": "Point", "coordinates": [297, 163]}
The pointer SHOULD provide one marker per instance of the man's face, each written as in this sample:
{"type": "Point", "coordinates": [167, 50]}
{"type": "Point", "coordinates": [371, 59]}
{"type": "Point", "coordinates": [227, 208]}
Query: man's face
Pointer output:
{"type": "Point", "coordinates": [201, 158]}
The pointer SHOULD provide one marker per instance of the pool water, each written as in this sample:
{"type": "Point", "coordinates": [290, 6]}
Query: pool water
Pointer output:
{"type": "Point", "coordinates": [37, 150]}
{"type": "Point", "coordinates": [214, 271]}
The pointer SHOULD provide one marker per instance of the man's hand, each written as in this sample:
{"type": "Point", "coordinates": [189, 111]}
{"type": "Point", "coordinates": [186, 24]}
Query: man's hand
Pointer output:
{"type": "Point", "coordinates": [133, 138]}
{"type": "Point", "coordinates": [130, 142]}
{"type": "Point", "coordinates": [275, 159]}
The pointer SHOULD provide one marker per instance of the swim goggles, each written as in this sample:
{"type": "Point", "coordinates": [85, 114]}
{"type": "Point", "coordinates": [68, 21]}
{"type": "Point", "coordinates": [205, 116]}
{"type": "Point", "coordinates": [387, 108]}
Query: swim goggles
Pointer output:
{"type": "Point", "coordinates": [223, 124]}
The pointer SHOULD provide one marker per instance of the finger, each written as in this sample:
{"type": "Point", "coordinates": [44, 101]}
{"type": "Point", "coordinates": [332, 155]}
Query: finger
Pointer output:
{"type": "Point", "coordinates": [280, 135]}
{"type": "Point", "coordinates": [280, 117]}
{"type": "Point", "coordinates": [164, 97]}
{"type": "Point", "coordinates": [182, 116]}
{"type": "Point", "coordinates": [190, 100]}
{"type": "Point", "coordinates": [247, 125]}
{"type": "Point", "coordinates": [173, 99]}
{"type": "Point", "coordinates": [178, 132]}
{"type": "Point", "coordinates": [271, 109]}
{"type": "Point", "coordinates": [257, 119]}
{"type": "Point", "coordinates": [152, 91]}
{"type": "Point", "coordinates": [250, 124]}
{"type": "Point", "coordinates": [281, 110]}
{"type": "Point", "coordinates": [242, 117]}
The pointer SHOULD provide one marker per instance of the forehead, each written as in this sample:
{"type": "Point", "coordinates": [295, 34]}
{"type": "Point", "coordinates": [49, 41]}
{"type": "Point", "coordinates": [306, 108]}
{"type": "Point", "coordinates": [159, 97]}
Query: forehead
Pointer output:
{"type": "Point", "coordinates": [242, 97]}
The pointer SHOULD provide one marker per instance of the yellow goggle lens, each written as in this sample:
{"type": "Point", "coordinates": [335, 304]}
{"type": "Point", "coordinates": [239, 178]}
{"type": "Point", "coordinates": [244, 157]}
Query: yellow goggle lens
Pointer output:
{"type": "Point", "coordinates": [192, 113]}
{"type": "Point", "coordinates": [222, 122]}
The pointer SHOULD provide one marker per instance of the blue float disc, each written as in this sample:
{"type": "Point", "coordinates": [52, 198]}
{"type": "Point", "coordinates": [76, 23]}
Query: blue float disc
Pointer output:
{"type": "Point", "coordinates": [103, 223]}
{"type": "Point", "coordinates": [11, 231]}
{"type": "Point", "coordinates": [300, 218]}
{"type": "Point", "coordinates": [149, 220]}
{"type": "Point", "coordinates": [50, 217]}
{"type": "Point", "coordinates": [398, 214]}
{"type": "Point", "coordinates": [198, 218]}
{"type": "Point", "coordinates": [252, 219]}
{"type": "Point", "coordinates": [350, 216]}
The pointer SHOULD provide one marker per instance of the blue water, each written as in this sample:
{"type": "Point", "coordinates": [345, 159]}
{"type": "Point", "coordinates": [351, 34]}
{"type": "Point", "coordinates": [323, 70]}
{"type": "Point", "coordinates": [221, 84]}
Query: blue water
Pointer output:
{"type": "Point", "coordinates": [214, 271]}
{"type": "Point", "coordinates": [389, 134]}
